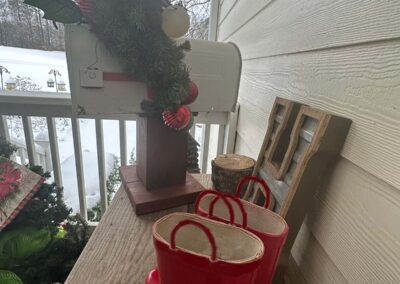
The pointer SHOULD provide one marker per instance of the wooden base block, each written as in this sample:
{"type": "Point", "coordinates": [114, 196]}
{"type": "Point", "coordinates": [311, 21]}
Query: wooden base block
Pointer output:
{"type": "Point", "coordinates": [145, 201]}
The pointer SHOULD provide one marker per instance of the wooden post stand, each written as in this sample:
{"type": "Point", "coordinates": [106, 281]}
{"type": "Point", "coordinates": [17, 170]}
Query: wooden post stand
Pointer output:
{"type": "Point", "coordinates": [161, 153]}
{"type": "Point", "coordinates": [159, 180]}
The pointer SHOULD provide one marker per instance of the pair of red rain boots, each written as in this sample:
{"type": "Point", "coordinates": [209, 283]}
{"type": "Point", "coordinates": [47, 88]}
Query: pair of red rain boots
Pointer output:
{"type": "Point", "coordinates": [259, 221]}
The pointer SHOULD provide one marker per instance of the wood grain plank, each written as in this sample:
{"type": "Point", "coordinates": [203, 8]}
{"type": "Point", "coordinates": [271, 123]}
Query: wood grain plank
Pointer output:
{"type": "Point", "coordinates": [4, 128]}
{"type": "Point", "coordinates": [204, 179]}
{"type": "Point", "coordinates": [314, 264]}
{"type": "Point", "coordinates": [361, 83]}
{"type": "Point", "coordinates": [243, 148]}
{"type": "Point", "coordinates": [353, 235]}
{"type": "Point", "coordinates": [224, 9]}
{"type": "Point", "coordinates": [355, 219]}
{"type": "Point", "coordinates": [241, 14]}
{"type": "Point", "coordinates": [252, 125]}
{"type": "Point", "coordinates": [121, 248]}
{"type": "Point", "coordinates": [293, 273]}
{"type": "Point", "coordinates": [287, 26]}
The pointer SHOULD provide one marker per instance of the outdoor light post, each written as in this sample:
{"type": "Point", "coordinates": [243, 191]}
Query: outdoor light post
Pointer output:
{"type": "Point", "coordinates": [3, 70]}
{"type": "Point", "coordinates": [55, 74]}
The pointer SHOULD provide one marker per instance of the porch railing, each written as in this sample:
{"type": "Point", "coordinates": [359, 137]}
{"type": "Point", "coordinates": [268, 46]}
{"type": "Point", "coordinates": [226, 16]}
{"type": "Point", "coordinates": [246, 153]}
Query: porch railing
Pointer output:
{"type": "Point", "coordinates": [218, 134]}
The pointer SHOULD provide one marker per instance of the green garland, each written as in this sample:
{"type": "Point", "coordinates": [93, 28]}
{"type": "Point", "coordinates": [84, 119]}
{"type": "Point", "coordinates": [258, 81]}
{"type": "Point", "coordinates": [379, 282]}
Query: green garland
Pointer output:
{"type": "Point", "coordinates": [131, 30]}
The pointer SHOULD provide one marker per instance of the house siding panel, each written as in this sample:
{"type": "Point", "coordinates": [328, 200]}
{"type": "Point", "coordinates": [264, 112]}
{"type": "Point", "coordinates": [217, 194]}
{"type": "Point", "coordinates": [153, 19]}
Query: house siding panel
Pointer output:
{"type": "Point", "coordinates": [343, 57]}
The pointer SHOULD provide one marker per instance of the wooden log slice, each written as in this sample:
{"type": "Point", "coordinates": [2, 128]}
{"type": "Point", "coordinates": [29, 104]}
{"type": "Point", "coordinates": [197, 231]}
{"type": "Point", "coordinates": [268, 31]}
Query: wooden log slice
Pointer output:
{"type": "Point", "coordinates": [228, 170]}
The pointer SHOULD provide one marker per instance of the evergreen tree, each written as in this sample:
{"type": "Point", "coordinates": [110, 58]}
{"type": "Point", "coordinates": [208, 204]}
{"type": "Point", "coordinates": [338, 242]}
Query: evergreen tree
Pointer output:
{"type": "Point", "coordinates": [52, 254]}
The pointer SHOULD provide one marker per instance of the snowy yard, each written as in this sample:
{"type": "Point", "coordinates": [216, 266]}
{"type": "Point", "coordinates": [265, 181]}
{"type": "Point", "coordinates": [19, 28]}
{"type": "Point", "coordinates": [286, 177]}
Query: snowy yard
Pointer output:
{"type": "Point", "coordinates": [34, 64]}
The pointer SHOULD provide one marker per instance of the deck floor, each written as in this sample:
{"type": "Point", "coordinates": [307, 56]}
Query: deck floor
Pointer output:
{"type": "Point", "coordinates": [120, 249]}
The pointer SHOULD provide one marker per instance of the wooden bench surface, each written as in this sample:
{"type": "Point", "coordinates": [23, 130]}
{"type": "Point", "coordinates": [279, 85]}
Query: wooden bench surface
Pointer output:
{"type": "Point", "coordinates": [120, 249]}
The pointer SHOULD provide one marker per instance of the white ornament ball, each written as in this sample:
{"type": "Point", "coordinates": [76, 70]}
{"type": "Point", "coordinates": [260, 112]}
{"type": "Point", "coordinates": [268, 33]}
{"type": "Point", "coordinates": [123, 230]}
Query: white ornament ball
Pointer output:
{"type": "Point", "coordinates": [175, 21]}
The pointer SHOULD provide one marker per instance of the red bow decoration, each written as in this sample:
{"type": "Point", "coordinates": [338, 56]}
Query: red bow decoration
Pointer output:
{"type": "Point", "coordinates": [178, 119]}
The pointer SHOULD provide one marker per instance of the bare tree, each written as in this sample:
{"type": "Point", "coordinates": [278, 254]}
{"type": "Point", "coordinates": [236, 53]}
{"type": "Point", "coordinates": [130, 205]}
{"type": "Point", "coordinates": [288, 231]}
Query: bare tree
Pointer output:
{"type": "Point", "coordinates": [26, 84]}
{"type": "Point", "coordinates": [199, 11]}
{"type": "Point", "coordinates": [22, 26]}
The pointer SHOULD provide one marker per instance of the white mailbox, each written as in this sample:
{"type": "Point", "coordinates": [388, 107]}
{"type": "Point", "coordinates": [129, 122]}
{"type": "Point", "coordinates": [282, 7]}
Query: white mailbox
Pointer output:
{"type": "Point", "coordinates": [214, 67]}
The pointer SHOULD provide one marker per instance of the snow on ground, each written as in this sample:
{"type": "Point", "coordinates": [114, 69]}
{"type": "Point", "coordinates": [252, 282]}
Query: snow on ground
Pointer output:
{"type": "Point", "coordinates": [34, 64]}
{"type": "Point", "coordinates": [91, 179]}
{"type": "Point", "coordinates": [89, 156]}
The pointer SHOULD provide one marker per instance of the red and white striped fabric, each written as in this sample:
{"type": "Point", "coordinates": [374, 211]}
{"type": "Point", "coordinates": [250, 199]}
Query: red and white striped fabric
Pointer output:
{"type": "Point", "coordinates": [17, 186]}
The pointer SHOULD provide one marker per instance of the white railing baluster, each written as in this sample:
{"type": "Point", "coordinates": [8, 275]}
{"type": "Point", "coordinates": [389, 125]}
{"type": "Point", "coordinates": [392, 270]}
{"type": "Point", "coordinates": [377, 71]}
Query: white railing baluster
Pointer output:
{"type": "Point", "coordinates": [4, 128]}
{"type": "Point", "coordinates": [192, 130]}
{"type": "Point", "coordinates": [55, 156]}
{"type": "Point", "coordinates": [42, 161]}
{"type": "Point", "coordinates": [4, 132]}
{"type": "Point", "coordinates": [24, 156]}
{"type": "Point", "coordinates": [47, 160]}
{"type": "Point", "coordinates": [20, 153]}
{"type": "Point", "coordinates": [221, 137]}
{"type": "Point", "coordinates": [230, 131]}
{"type": "Point", "coordinates": [79, 167]}
{"type": "Point", "coordinates": [101, 165]}
{"type": "Point", "coordinates": [204, 147]}
{"type": "Point", "coordinates": [30, 144]}
{"type": "Point", "coordinates": [122, 142]}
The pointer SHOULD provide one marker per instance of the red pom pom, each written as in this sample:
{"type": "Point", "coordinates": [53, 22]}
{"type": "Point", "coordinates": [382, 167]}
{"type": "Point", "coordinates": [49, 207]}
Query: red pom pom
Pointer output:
{"type": "Point", "coordinates": [177, 119]}
{"type": "Point", "coordinates": [193, 93]}
{"type": "Point", "coordinates": [9, 179]}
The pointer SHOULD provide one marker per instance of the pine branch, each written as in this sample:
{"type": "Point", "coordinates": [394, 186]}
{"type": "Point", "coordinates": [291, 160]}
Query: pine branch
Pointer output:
{"type": "Point", "coordinates": [131, 30]}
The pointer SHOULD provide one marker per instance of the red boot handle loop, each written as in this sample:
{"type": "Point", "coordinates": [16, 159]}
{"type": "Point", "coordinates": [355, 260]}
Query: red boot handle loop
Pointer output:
{"type": "Point", "coordinates": [201, 227]}
{"type": "Point", "coordinates": [234, 199]}
{"type": "Point", "coordinates": [264, 187]}
{"type": "Point", "coordinates": [218, 195]}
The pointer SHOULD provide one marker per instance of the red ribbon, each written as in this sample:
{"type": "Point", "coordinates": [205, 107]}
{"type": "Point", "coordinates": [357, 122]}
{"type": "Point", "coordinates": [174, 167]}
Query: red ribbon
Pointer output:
{"type": "Point", "coordinates": [115, 76]}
